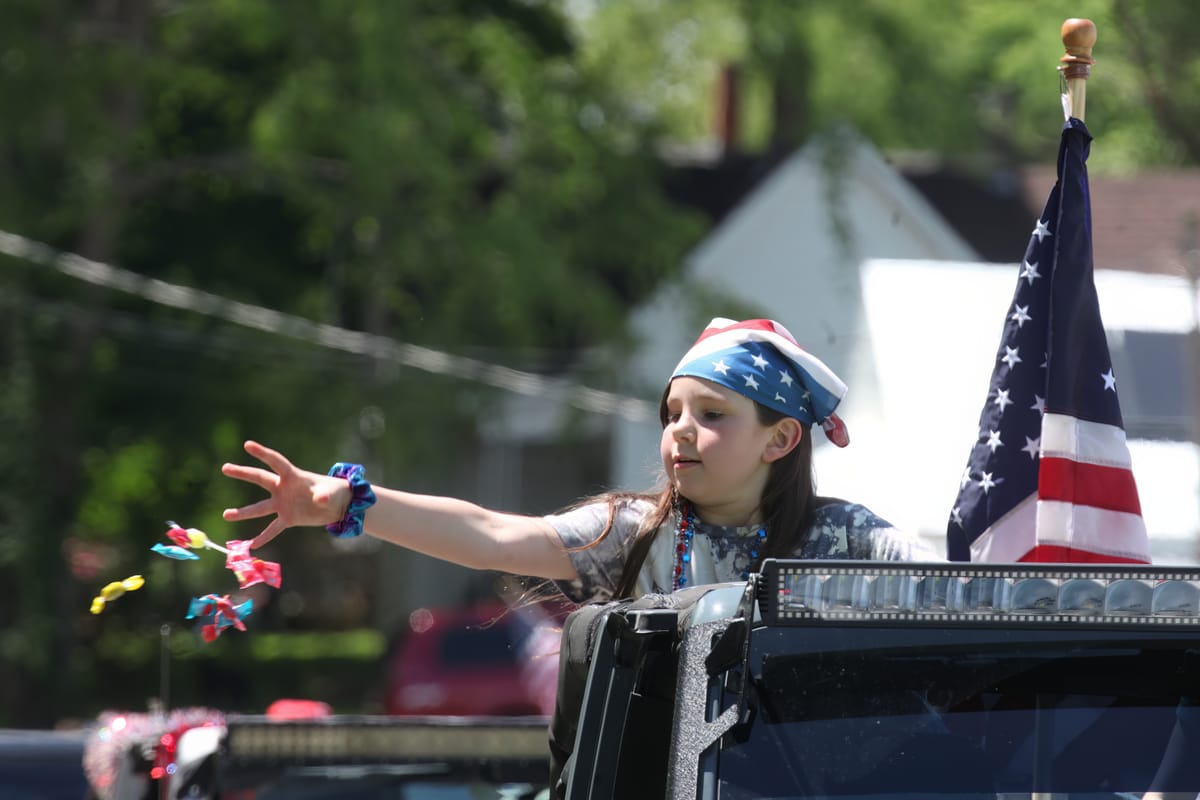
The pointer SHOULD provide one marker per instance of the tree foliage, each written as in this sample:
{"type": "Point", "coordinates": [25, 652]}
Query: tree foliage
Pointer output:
{"type": "Point", "coordinates": [975, 81]}
{"type": "Point", "coordinates": [441, 173]}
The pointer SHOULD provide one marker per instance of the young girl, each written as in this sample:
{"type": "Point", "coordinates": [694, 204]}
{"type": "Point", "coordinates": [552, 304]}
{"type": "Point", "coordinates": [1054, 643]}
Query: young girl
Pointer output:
{"type": "Point", "coordinates": [737, 451]}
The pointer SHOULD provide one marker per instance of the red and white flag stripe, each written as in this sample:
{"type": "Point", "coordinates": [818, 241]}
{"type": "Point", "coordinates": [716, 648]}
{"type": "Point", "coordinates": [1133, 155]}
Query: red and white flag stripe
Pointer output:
{"type": "Point", "coordinates": [1086, 508]}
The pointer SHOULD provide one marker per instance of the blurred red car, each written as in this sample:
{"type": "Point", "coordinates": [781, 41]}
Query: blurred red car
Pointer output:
{"type": "Point", "coordinates": [486, 660]}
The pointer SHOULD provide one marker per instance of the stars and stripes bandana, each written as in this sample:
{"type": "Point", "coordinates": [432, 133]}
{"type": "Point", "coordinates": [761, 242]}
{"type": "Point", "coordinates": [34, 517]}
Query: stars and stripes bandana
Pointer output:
{"type": "Point", "coordinates": [760, 359]}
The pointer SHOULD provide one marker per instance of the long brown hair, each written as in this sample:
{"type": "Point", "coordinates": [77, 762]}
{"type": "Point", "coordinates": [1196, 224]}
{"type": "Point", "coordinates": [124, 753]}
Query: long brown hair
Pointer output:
{"type": "Point", "coordinates": [789, 501]}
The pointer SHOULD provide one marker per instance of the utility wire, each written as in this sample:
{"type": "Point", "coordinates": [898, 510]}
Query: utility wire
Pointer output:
{"type": "Point", "coordinates": [329, 336]}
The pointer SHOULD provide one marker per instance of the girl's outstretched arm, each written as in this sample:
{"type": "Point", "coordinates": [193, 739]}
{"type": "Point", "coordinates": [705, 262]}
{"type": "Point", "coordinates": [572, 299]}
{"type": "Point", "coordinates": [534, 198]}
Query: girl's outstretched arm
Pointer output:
{"type": "Point", "coordinates": [442, 527]}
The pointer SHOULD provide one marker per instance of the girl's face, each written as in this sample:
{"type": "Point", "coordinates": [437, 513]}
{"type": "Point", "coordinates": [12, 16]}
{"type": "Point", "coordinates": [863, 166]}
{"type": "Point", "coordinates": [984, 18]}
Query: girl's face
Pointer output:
{"type": "Point", "coordinates": [716, 452]}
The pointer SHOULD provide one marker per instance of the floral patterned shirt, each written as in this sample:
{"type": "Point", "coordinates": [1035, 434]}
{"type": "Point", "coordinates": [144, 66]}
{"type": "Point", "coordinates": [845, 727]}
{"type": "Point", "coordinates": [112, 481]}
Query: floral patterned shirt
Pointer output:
{"type": "Point", "coordinates": [719, 553]}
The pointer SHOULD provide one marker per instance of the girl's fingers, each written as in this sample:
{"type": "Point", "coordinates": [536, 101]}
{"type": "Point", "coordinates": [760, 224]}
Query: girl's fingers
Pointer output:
{"type": "Point", "coordinates": [272, 458]}
{"type": "Point", "coordinates": [255, 475]}
{"type": "Point", "coordinates": [268, 533]}
{"type": "Point", "coordinates": [252, 511]}
{"type": "Point", "coordinates": [281, 470]}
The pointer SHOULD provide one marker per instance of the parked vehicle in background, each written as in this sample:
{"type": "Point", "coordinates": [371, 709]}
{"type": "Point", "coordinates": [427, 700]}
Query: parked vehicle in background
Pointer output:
{"type": "Point", "coordinates": [468, 693]}
{"type": "Point", "coordinates": [298, 754]}
{"type": "Point", "coordinates": [148, 755]}
{"type": "Point", "coordinates": [483, 660]}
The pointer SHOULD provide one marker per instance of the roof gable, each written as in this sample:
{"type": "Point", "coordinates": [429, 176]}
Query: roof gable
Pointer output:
{"type": "Point", "coordinates": [832, 201]}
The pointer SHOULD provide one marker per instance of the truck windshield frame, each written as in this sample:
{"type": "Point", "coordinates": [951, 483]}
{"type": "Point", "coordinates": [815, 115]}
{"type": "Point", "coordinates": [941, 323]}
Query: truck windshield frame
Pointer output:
{"type": "Point", "coordinates": [1012, 704]}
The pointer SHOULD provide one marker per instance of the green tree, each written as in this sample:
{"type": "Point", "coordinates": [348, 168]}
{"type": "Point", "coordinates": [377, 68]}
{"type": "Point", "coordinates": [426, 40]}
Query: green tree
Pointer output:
{"type": "Point", "coordinates": [442, 173]}
{"type": "Point", "coordinates": [972, 80]}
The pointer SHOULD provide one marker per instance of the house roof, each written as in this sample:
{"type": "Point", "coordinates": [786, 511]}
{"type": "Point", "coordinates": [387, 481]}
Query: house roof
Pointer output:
{"type": "Point", "coordinates": [994, 214]}
{"type": "Point", "coordinates": [715, 183]}
{"type": "Point", "coordinates": [1144, 222]}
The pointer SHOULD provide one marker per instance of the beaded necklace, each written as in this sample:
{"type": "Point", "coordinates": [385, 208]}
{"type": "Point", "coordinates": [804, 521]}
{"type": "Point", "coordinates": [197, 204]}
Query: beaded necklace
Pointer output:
{"type": "Point", "coordinates": [683, 546]}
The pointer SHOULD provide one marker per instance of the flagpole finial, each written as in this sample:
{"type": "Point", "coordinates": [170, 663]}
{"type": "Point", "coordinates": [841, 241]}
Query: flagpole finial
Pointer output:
{"type": "Point", "coordinates": [1078, 37]}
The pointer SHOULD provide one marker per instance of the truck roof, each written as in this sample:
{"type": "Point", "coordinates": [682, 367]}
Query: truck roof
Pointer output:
{"type": "Point", "coordinates": [866, 679]}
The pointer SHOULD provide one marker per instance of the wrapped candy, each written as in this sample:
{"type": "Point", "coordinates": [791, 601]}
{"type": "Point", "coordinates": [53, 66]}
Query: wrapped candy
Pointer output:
{"type": "Point", "coordinates": [194, 538]}
{"type": "Point", "coordinates": [222, 611]}
{"type": "Point", "coordinates": [175, 551]}
{"type": "Point", "coordinates": [114, 590]}
{"type": "Point", "coordinates": [248, 569]}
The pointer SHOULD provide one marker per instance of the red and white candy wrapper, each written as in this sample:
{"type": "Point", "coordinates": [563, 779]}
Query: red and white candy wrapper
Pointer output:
{"type": "Point", "coordinates": [249, 569]}
{"type": "Point", "coordinates": [221, 611]}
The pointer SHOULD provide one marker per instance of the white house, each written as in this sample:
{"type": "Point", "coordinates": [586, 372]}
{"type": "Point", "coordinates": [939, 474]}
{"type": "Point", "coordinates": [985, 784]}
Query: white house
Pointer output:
{"type": "Point", "coordinates": [782, 255]}
{"type": "Point", "coordinates": [898, 305]}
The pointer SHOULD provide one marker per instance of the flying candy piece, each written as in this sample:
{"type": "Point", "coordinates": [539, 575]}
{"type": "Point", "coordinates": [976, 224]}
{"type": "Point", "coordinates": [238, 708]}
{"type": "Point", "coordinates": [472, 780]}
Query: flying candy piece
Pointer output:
{"type": "Point", "coordinates": [114, 590]}
{"type": "Point", "coordinates": [176, 552]}
{"type": "Point", "coordinates": [248, 569]}
{"type": "Point", "coordinates": [191, 537]}
{"type": "Point", "coordinates": [223, 612]}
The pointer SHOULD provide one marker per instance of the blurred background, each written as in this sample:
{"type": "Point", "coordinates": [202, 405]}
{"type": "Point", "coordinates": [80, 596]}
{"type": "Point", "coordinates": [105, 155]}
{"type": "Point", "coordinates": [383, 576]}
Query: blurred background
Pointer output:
{"type": "Point", "coordinates": [441, 239]}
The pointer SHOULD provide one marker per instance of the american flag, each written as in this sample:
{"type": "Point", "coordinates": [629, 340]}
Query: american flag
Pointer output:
{"type": "Point", "coordinates": [1049, 478]}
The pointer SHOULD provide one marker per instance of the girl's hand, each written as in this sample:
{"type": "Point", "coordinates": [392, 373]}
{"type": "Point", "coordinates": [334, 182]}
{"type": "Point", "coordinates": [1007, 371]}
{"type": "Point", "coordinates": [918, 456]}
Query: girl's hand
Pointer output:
{"type": "Point", "coordinates": [298, 497]}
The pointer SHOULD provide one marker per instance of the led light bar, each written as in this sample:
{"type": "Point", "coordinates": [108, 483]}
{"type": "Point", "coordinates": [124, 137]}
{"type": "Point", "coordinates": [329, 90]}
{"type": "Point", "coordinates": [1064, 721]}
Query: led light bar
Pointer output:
{"type": "Point", "coordinates": [350, 740]}
{"type": "Point", "coordinates": [796, 592]}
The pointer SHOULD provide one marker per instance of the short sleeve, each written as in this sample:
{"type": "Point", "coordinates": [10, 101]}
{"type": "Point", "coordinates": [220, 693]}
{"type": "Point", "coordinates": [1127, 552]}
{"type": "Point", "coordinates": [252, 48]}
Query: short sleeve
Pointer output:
{"type": "Point", "coordinates": [853, 531]}
{"type": "Point", "coordinates": [599, 561]}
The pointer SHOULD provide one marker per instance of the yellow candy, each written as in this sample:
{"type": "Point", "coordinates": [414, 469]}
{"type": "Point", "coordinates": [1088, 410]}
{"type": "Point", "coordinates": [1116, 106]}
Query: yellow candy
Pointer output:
{"type": "Point", "coordinates": [197, 538]}
{"type": "Point", "coordinates": [114, 590]}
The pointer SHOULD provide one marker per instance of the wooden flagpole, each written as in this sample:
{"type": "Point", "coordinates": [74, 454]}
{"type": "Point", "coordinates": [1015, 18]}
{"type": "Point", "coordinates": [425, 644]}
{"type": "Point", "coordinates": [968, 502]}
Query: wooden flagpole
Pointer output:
{"type": "Point", "coordinates": [1078, 37]}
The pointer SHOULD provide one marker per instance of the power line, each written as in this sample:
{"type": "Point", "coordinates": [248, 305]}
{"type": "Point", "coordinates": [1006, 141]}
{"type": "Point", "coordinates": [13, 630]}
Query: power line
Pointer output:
{"type": "Point", "coordinates": [329, 336]}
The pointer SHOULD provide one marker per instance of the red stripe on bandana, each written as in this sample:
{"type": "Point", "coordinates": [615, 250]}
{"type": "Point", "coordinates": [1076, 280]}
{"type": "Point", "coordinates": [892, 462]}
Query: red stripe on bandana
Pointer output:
{"type": "Point", "coordinates": [750, 324]}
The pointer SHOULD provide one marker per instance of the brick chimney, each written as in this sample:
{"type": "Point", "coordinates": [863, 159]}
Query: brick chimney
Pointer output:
{"type": "Point", "coordinates": [728, 107]}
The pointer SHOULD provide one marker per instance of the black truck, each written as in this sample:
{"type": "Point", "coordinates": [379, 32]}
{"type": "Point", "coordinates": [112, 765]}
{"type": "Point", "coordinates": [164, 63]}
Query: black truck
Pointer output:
{"type": "Point", "coordinates": [814, 679]}
{"type": "Point", "coordinates": [871, 680]}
